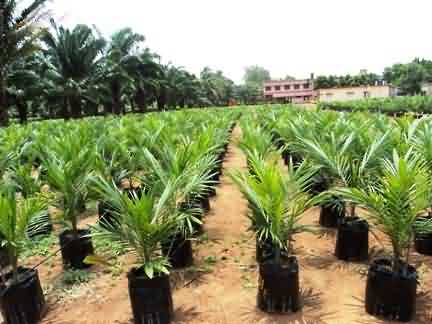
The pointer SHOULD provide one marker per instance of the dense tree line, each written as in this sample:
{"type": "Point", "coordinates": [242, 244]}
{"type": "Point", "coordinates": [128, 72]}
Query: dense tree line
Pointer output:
{"type": "Point", "coordinates": [408, 77]}
{"type": "Point", "coordinates": [333, 81]}
{"type": "Point", "coordinates": [57, 72]}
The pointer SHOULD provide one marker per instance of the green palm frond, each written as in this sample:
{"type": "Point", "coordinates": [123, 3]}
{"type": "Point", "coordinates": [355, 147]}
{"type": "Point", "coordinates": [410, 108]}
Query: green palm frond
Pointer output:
{"type": "Point", "coordinates": [396, 200]}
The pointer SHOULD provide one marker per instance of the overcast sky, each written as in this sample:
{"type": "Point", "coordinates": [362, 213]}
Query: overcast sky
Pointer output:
{"type": "Point", "coordinates": [285, 36]}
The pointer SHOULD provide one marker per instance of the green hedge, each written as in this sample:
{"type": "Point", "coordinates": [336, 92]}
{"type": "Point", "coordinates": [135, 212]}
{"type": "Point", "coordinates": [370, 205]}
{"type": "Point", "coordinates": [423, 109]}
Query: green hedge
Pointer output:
{"type": "Point", "coordinates": [394, 105]}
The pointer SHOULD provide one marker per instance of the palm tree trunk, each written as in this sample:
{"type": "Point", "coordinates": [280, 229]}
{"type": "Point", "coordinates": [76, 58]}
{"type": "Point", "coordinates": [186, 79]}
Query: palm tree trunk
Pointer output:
{"type": "Point", "coordinates": [116, 98]}
{"type": "Point", "coordinates": [76, 107]}
{"type": "Point", "coordinates": [4, 117]}
{"type": "Point", "coordinates": [141, 100]}
{"type": "Point", "coordinates": [66, 110]}
{"type": "Point", "coordinates": [132, 104]}
{"type": "Point", "coordinates": [161, 101]}
{"type": "Point", "coordinates": [22, 111]}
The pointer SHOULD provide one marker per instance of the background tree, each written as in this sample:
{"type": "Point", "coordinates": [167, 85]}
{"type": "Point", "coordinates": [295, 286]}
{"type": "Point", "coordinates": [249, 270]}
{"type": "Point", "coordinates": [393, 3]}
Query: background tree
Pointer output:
{"type": "Point", "coordinates": [256, 75]}
{"type": "Point", "coordinates": [74, 56]}
{"type": "Point", "coordinates": [247, 94]}
{"type": "Point", "coordinates": [408, 77]}
{"type": "Point", "coordinates": [217, 88]}
{"type": "Point", "coordinates": [19, 31]}
{"type": "Point", "coordinates": [119, 65]}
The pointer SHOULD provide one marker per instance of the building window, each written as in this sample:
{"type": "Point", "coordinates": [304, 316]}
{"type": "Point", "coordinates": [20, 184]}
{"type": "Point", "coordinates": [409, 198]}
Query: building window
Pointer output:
{"type": "Point", "coordinates": [268, 88]}
{"type": "Point", "coordinates": [277, 88]}
{"type": "Point", "coordinates": [287, 87]}
{"type": "Point", "coordinates": [366, 94]}
{"type": "Point", "coordinates": [306, 86]}
{"type": "Point", "coordinates": [296, 86]}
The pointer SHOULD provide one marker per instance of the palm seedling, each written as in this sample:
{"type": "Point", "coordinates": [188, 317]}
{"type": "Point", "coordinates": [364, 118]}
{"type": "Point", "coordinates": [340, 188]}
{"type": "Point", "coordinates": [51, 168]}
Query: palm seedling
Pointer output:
{"type": "Point", "coordinates": [144, 224]}
{"type": "Point", "coordinates": [277, 202]}
{"type": "Point", "coordinates": [256, 143]}
{"type": "Point", "coordinates": [354, 160]}
{"type": "Point", "coordinates": [21, 298]}
{"type": "Point", "coordinates": [421, 141]}
{"type": "Point", "coordinates": [68, 165]}
{"type": "Point", "coordinates": [393, 205]}
{"type": "Point", "coordinates": [28, 184]}
{"type": "Point", "coordinates": [187, 165]}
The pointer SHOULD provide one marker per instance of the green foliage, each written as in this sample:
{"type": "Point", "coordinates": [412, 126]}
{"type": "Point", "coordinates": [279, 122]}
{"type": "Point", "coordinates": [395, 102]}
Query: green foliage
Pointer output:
{"type": "Point", "coordinates": [73, 63]}
{"type": "Point", "coordinates": [142, 224]}
{"type": "Point", "coordinates": [16, 215]}
{"type": "Point", "coordinates": [390, 106]}
{"type": "Point", "coordinates": [75, 277]}
{"type": "Point", "coordinates": [68, 164]}
{"type": "Point", "coordinates": [255, 76]}
{"type": "Point", "coordinates": [104, 246]}
{"type": "Point", "coordinates": [18, 40]}
{"type": "Point", "coordinates": [332, 81]}
{"type": "Point", "coordinates": [396, 201]}
{"type": "Point", "coordinates": [277, 200]}
{"type": "Point", "coordinates": [409, 77]}
{"type": "Point", "coordinates": [42, 246]}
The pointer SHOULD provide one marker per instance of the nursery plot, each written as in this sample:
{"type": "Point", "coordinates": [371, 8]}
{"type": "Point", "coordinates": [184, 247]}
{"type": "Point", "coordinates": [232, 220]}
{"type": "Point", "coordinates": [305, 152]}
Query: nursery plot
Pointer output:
{"type": "Point", "coordinates": [222, 283]}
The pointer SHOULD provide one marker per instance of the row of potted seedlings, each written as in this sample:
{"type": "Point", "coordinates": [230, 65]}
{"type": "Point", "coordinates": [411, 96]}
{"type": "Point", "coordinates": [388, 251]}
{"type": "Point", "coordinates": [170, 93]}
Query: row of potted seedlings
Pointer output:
{"type": "Point", "coordinates": [155, 213]}
{"type": "Point", "coordinates": [364, 168]}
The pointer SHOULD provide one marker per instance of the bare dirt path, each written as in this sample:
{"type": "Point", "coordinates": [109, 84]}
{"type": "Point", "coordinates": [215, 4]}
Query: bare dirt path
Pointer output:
{"type": "Point", "coordinates": [221, 287]}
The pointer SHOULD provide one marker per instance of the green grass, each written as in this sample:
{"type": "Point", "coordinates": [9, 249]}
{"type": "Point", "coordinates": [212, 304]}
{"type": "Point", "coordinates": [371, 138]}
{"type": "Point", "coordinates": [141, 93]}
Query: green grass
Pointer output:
{"type": "Point", "coordinates": [104, 246]}
{"type": "Point", "coordinates": [39, 247]}
{"type": "Point", "coordinates": [75, 277]}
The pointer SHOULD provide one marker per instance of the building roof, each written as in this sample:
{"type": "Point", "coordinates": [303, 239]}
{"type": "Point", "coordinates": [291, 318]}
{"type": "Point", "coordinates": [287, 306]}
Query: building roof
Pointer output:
{"type": "Point", "coordinates": [293, 94]}
{"type": "Point", "coordinates": [285, 81]}
{"type": "Point", "coordinates": [356, 87]}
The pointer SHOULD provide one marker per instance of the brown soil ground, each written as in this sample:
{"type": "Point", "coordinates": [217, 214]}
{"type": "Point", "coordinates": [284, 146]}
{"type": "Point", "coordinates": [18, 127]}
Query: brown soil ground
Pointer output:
{"type": "Point", "coordinates": [221, 287]}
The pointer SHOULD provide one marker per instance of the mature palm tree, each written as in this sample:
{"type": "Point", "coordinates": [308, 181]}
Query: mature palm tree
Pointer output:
{"type": "Point", "coordinates": [218, 88]}
{"type": "Point", "coordinates": [19, 31]}
{"type": "Point", "coordinates": [120, 60]}
{"type": "Point", "coordinates": [26, 85]}
{"type": "Point", "coordinates": [146, 72]}
{"type": "Point", "coordinates": [74, 56]}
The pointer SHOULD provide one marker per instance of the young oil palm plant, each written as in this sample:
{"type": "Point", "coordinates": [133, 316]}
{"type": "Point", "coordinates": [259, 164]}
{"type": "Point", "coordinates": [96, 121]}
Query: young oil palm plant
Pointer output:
{"type": "Point", "coordinates": [28, 184]}
{"type": "Point", "coordinates": [393, 205]}
{"type": "Point", "coordinates": [21, 296]}
{"type": "Point", "coordinates": [421, 141]}
{"type": "Point", "coordinates": [144, 224]}
{"type": "Point", "coordinates": [68, 165]}
{"type": "Point", "coordinates": [193, 171]}
{"type": "Point", "coordinates": [278, 202]}
{"type": "Point", "coordinates": [255, 140]}
{"type": "Point", "coordinates": [354, 160]}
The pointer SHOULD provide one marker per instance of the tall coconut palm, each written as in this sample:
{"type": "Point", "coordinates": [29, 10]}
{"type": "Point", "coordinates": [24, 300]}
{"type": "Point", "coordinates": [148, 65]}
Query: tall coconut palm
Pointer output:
{"type": "Point", "coordinates": [74, 56]}
{"type": "Point", "coordinates": [19, 31]}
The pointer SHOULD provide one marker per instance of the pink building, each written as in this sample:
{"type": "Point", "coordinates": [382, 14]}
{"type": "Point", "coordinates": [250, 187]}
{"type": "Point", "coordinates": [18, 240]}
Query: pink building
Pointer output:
{"type": "Point", "coordinates": [287, 91]}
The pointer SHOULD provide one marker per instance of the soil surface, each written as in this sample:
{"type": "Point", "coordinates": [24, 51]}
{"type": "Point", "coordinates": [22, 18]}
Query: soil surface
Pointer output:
{"type": "Point", "coordinates": [221, 287]}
